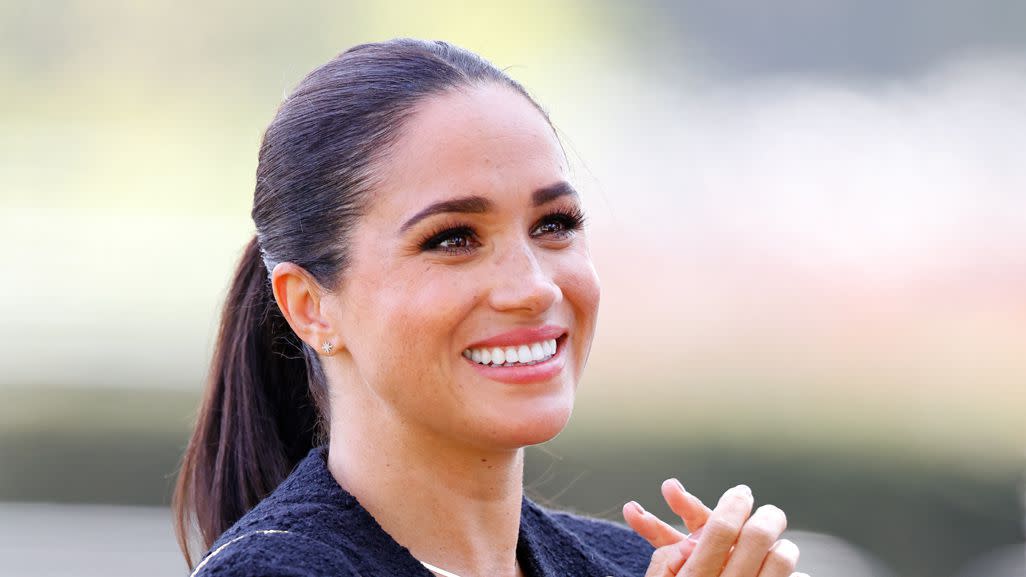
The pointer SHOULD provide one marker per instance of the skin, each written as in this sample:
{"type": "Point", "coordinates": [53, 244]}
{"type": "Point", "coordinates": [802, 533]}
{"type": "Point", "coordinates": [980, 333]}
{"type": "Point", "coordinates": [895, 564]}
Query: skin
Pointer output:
{"type": "Point", "coordinates": [727, 541]}
{"type": "Point", "coordinates": [412, 421]}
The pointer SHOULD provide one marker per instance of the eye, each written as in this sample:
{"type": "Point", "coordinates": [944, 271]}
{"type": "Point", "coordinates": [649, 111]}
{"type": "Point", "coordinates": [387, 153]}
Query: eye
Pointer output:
{"type": "Point", "coordinates": [561, 224]}
{"type": "Point", "coordinates": [451, 240]}
{"type": "Point", "coordinates": [461, 239]}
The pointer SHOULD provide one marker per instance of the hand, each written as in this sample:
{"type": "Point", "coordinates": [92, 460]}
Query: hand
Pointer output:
{"type": "Point", "coordinates": [729, 541]}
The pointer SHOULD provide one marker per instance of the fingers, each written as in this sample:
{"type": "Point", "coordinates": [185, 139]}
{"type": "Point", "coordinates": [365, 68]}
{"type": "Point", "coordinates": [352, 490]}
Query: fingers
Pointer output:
{"type": "Point", "coordinates": [652, 528]}
{"type": "Point", "coordinates": [658, 533]}
{"type": "Point", "coordinates": [738, 543]}
{"type": "Point", "coordinates": [781, 559]}
{"type": "Point", "coordinates": [757, 538]}
{"type": "Point", "coordinates": [687, 506]}
{"type": "Point", "coordinates": [668, 559]}
{"type": "Point", "coordinates": [720, 532]}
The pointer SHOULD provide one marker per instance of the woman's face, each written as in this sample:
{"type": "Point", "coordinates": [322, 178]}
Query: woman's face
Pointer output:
{"type": "Point", "coordinates": [472, 243]}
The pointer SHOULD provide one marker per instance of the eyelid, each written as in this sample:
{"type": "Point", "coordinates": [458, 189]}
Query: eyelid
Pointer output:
{"type": "Point", "coordinates": [572, 217]}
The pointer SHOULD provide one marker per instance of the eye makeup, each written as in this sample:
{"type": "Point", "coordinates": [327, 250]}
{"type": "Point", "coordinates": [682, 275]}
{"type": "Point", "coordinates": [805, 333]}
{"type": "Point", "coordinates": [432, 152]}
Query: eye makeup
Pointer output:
{"type": "Point", "coordinates": [464, 238]}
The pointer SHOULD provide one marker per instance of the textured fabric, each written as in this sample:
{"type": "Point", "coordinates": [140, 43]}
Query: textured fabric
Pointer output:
{"type": "Point", "coordinates": [311, 526]}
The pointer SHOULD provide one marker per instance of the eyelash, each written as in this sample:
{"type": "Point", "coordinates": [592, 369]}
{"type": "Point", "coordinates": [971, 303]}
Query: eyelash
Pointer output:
{"type": "Point", "coordinates": [572, 221]}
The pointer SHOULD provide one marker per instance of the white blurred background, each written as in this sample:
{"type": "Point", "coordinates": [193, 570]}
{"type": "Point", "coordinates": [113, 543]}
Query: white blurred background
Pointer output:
{"type": "Point", "coordinates": [809, 219]}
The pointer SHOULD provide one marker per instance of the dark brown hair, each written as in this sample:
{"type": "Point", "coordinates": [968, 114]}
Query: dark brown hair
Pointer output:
{"type": "Point", "coordinates": [265, 404]}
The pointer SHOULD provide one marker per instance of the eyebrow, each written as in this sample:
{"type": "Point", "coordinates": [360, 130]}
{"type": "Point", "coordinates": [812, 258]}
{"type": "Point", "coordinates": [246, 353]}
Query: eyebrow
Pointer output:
{"type": "Point", "coordinates": [480, 204]}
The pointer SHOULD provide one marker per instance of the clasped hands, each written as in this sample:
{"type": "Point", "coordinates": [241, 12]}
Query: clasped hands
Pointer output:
{"type": "Point", "coordinates": [727, 541]}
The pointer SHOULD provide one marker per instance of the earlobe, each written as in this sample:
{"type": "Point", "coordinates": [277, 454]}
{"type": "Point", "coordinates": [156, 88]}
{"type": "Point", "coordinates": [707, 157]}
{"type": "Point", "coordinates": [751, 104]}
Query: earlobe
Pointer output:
{"type": "Point", "coordinates": [300, 296]}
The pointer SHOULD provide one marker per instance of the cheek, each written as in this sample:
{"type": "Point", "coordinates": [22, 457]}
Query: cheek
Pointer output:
{"type": "Point", "coordinates": [418, 315]}
{"type": "Point", "coordinates": [581, 288]}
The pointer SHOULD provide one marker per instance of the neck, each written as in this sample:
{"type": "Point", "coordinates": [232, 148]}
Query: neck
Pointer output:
{"type": "Point", "coordinates": [453, 506]}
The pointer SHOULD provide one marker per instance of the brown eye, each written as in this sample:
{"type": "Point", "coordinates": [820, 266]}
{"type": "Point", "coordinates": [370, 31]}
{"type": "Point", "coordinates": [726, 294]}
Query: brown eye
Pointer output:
{"type": "Point", "coordinates": [456, 240]}
{"type": "Point", "coordinates": [551, 227]}
{"type": "Point", "coordinates": [560, 225]}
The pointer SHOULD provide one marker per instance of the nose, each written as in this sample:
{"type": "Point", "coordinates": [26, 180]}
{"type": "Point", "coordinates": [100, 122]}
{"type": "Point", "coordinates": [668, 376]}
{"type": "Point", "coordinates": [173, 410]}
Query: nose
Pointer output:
{"type": "Point", "coordinates": [520, 282]}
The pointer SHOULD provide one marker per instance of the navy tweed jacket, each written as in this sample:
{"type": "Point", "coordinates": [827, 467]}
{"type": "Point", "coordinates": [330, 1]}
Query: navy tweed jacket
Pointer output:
{"type": "Point", "coordinates": [311, 527]}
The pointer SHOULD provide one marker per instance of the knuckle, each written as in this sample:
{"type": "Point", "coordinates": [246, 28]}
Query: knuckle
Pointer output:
{"type": "Point", "coordinates": [784, 554]}
{"type": "Point", "coordinates": [664, 559]}
{"type": "Point", "coordinates": [722, 528]}
{"type": "Point", "coordinates": [736, 497]}
{"type": "Point", "coordinates": [760, 531]}
{"type": "Point", "coordinates": [741, 494]}
{"type": "Point", "coordinates": [789, 546]}
{"type": "Point", "coordinates": [771, 517]}
{"type": "Point", "coordinates": [662, 555]}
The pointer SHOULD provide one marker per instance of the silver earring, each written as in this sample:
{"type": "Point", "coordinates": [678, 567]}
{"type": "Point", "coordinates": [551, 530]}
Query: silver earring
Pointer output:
{"type": "Point", "coordinates": [327, 347]}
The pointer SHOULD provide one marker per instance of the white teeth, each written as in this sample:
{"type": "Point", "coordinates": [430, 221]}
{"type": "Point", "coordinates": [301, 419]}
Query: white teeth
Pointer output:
{"type": "Point", "coordinates": [537, 352]}
{"type": "Point", "coordinates": [525, 354]}
{"type": "Point", "coordinates": [498, 356]}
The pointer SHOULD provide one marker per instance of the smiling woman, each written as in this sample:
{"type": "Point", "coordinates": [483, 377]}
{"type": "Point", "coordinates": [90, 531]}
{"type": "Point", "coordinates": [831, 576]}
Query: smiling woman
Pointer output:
{"type": "Point", "coordinates": [417, 306]}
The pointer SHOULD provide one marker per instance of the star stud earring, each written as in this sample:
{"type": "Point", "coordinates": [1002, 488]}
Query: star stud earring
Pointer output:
{"type": "Point", "coordinates": [327, 347]}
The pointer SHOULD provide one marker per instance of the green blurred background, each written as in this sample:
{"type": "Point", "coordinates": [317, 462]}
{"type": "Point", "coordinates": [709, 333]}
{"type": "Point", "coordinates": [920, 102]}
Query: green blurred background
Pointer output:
{"type": "Point", "coordinates": [809, 219]}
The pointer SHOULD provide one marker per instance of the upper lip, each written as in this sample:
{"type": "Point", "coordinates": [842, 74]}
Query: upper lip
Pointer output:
{"type": "Point", "coordinates": [521, 336]}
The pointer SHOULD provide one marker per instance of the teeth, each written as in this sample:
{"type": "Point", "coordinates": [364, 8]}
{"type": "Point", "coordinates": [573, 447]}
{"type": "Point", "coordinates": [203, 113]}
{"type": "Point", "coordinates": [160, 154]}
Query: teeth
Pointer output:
{"type": "Point", "coordinates": [537, 352]}
{"type": "Point", "coordinates": [525, 354]}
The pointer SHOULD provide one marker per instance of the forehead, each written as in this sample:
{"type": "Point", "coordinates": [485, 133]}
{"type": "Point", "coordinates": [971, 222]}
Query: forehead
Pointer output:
{"type": "Point", "coordinates": [485, 140]}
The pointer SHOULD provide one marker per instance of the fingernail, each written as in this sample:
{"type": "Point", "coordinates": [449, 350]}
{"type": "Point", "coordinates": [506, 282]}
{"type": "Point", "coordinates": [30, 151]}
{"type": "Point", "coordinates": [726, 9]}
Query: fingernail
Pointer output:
{"type": "Point", "coordinates": [679, 485]}
{"type": "Point", "coordinates": [637, 507]}
{"type": "Point", "coordinates": [745, 489]}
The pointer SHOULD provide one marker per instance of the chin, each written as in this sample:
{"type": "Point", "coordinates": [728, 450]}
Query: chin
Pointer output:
{"type": "Point", "coordinates": [525, 428]}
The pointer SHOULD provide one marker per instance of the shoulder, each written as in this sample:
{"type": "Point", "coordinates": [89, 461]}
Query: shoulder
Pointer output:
{"type": "Point", "coordinates": [273, 553]}
{"type": "Point", "coordinates": [616, 543]}
{"type": "Point", "coordinates": [303, 528]}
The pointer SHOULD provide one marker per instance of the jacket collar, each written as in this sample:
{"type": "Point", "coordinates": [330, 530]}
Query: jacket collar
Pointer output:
{"type": "Point", "coordinates": [330, 514]}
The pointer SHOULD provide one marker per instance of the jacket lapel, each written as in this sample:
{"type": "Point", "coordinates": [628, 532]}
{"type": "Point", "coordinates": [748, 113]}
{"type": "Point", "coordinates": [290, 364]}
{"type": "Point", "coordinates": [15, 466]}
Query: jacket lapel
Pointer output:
{"type": "Point", "coordinates": [550, 550]}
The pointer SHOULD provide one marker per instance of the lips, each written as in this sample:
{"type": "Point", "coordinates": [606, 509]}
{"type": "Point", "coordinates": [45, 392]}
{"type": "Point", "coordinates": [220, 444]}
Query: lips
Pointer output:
{"type": "Point", "coordinates": [537, 374]}
{"type": "Point", "coordinates": [521, 336]}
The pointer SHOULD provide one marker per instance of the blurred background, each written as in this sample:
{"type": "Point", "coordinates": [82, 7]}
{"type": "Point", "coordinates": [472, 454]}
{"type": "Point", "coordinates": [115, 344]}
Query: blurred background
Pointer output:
{"type": "Point", "coordinates": [809, 218]}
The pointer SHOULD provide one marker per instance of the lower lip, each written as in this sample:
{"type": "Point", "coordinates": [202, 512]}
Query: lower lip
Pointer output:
{"type": "Point", "coordinates": [526, 374]}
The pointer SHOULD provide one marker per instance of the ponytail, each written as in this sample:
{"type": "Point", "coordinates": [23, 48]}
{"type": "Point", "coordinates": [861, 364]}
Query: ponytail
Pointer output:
{"type": "Point", "coordinates": [257, 418]}
{"type": "Point", "coordinates": [266, 401]}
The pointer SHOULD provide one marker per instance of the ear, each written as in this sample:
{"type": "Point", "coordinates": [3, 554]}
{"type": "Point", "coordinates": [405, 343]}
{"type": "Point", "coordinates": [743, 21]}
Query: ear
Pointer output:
{"type": "Point", "coordinates": [301, 298]}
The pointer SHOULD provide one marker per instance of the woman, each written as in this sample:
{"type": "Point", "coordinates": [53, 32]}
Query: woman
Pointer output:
{"type": "Point", "coordinates": [417, 307]}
